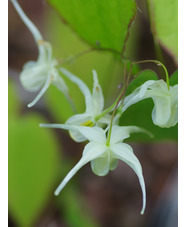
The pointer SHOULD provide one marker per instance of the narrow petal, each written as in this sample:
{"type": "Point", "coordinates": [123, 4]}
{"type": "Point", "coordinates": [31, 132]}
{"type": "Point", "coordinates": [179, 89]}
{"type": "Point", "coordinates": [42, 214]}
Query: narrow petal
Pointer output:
{"type": "Point", "coordinates": [45, 87]}
{"type": "Point", "coordinates": [97, 95]}
{"type": "Point", "coordinates": [60, 126]}
{"type": "Point", "coordinates": [124, 152]}
{"type": "Point", "coordinates": [137, 95]}
{"type": "Point", "coordinates": [95, 134]}
{"type": "Point", "coordinates": [131, 99]}
{"type": "Point", "coordinates": [82, 86]}
{"type": "Point", "coordinates": [119, 133]}
{"type": "Point", "coordinates": [33, 29]}
{"type": "Point", "coordinates": [60, 83]}
{"type": "Point", "coordinates": [91, 151]}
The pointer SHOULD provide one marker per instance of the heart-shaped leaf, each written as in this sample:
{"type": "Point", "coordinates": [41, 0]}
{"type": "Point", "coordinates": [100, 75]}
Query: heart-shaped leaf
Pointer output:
{"type": "Point", "coordinates": [103, 24]}
{"type": "Point", "coordinates": [33, 168]}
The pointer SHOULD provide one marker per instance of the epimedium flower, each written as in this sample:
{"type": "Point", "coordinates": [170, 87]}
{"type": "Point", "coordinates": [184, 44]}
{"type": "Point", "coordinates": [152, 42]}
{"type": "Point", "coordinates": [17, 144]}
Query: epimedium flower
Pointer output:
{"type": "Point", "coordinates": [94, 106]}
{"type": "Point", "coordinates": [104, 154]}
{"type": "Point", "coordinates": [165, 111]}
{"type": "Point", "coordinates": [38, 75]}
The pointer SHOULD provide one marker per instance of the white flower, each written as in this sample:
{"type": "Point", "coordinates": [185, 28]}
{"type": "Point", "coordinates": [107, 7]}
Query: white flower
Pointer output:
{"type": "Point", "coordinates": [39, 74]}
{"type": "Point", "coordinates": [165, 111]}
{"type": "Point", "coordinates": [94, 106]}
{"type": "Point", "coordinates": [103, 156]}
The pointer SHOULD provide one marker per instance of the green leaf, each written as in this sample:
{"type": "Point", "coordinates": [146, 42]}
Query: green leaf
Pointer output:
{"type": "Point", "coordinates": [164, 23]}
{"type": "Point", "coordinates": [140, 115]}
{"type": "Point", "coordinates": [103, 24]}
{"type": "Point", "coordinates": [141, 78]}
{"type": "Point", "coordinates": [174, 78]}
{"type": "Point", "coordinates": [33, 168]}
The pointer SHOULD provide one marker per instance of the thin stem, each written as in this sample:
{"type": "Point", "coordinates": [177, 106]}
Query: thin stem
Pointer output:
{"type": "Point", "coordinates": [109, 108]}
{"type": "Point", "coordinates": [69, 60]}
{"type": "Point", "coordinates": [158, 63]}
{"type": "Point", "coordinates": [111, 122]}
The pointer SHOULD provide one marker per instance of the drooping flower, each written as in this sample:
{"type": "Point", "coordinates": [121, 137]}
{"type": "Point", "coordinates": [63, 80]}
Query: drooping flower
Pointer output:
{"type": "Point", "coordinates": [94, 106]}
{"type": "Point", "coordinates": [104, 156]}
{"type": "Point", "coordinates": [39, 74]}
{"type": "Point", "coordinates": [165, 111]}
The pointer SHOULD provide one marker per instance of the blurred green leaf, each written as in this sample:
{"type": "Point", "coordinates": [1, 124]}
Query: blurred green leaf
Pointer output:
{"type": "Point", "coordinates": [139, 114]}
{"type": "Point", "coordinates": [164, 23]}
{"type": "Point", "coordinates": [103, 23]}
{"type": "Point", "coordinates": [174, 78]}
{"type": "Point", "coordinates": [33, 167]}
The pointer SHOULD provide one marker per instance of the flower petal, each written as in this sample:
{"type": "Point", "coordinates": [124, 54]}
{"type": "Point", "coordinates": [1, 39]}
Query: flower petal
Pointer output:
{"type": "Point", "coordinates": [97, 95]}
{"type": "Point", "coordinates": [73, 130]}
{"type": "Point", "coordinates": [91, 151]}
{"type": "Point", "coordinates": [33, 76]}
{"type": "Point", "coordinates": [101, 165]}
{"type": "Point", "coordinates": [137, 95]}
{"type": "Point", "coordinates": [174, 107]}
{"type": "Point", "coordinates": [82, 86]}
{"type": "Point", "coordinates": [95, 134]}
{"type": "Point", "coordinates": [119, 133]}
{"type": "Point", "coordinates": [45, 87]}
{"type": "Point", "coordinates": [60, 83]}
{"type": "Point", "coordinates": [161, 111]}
{"type": "Point", "coordinates": [78, 119]}
{"type": "Point", "coordinates": [33, 29]}
{"type": "Point", "coordinates": [124, 152]}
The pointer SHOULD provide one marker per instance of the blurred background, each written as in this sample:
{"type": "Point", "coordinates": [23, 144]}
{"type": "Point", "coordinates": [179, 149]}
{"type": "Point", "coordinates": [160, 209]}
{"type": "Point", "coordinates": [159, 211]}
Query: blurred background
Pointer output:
{"type": "Point", "coordinates": [40, 158]}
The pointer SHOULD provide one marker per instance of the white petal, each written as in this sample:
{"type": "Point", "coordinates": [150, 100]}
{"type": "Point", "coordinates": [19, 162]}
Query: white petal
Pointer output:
{"type": "Point", "coordinates": [119, 133]}
{"type": "Point", "coordinates": [161, 111]}
{"type": "Point", "coordinates": [124, 152]}
{"type": "Point", "coordinates": [33, 29]}
{"type": "Point", "coordinates": [60, 83]}
{"type": "Point", "coordinates": [137, 95]}
{"type": "Point", "coordinates": [78, 119]}
{"type": "Point", "coordinates": [131, 99]}
{"type": "Point", "coordinates": [95, 134]}
{"type": "Point", "coordinates": [174, 107]}
{"type": "Point", "coordinates": [145, 86]}
{"type": "Point", "coordinates": [101, 165]}
{"type": "Point", "coordinates": [43, 90]}
{"type": "Point", "coordinates": [82, 86]}
{"type": "Point", "coordinates": [97, 95]}
{"type": "Point", "coordinates": [33, 76]}
{"type": "Point", "coordinates": [73, 130]}
{"type": "Point", "coordinates": [91, 151]}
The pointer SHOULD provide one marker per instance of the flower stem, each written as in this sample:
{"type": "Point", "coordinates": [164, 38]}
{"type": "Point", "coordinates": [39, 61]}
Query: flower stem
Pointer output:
{"type": "Point", "coordinates": [160, 64]}
{"type": "Point", "coordinates": [108, 109]}
{"type": "Point", "coordinates": [120, 97]}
